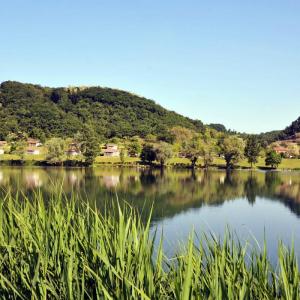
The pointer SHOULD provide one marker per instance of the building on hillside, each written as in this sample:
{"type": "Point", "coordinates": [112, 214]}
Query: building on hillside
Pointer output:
{"type": "Point", "coordinates": [280, 150]}
{"type": "Point", "coordinates": [3, 144]}
{"type": "Point", "coordinates": [111, 150]}
{"type": "Point", "coordinates": [33, 151]}
{"type": "Point", "coordinates": [1, 151]}
{"type": "Point", "coordinates": [34, 143]}
{"type": "Point", "coordinates": [73, 151]}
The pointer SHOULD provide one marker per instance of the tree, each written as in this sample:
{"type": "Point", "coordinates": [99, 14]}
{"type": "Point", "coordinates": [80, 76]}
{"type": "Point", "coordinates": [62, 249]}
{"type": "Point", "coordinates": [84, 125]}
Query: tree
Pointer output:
{"type": "Point", "coordinates": [122, 156]}
{"type": "Point", "coordinates": [134, 148]}
{"type": "Point", "coordinates": [293, 150]}
{"type": "Point", "coordinates": [273, 159]}
{"type": "Point", "coordinates": [192, 150]}
{"type": "Point", "coordinates": [56, 151]}
{"type": "Point", "coordinates": [17, 143]}
{"type": "Point", "coordinates": [89, 145]}
{"type": "Point", "coordinates": [207, 151]}
{"type": "Point", "coordinates": [252, 149]}
{"type": "Point", "coordinates": [232, 148]}
{"type": "Point", "coordinates": [163, 152]}
{"type": "Point", "coordinates": [180, 136]}
{"type": "Point", "coordinates": [148, 154]}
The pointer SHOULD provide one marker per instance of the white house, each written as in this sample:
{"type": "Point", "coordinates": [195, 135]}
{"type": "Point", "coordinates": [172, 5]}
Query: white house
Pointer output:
{"type": "Point", "coordinates": [34, 143]}
{"type": "Point", "coordinates": [111, 150]}
{"type": "Point", "coordinates": [73, 152]}
{"type": "Point", "coordinates": [1, 151]}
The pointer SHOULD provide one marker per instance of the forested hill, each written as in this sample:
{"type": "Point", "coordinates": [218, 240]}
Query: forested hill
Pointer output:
{"type": "Point", "coordinates": [293, 128]}
{"type": "Point", "coordinates": [44, 112]}
{"type": "Point", "coordinates": [287, 133]}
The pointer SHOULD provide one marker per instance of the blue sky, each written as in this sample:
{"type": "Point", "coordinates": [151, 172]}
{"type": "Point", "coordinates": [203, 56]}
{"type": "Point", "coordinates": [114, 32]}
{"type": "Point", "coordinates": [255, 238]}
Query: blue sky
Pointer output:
{"type": "Point", "coordinates": [230, 62]}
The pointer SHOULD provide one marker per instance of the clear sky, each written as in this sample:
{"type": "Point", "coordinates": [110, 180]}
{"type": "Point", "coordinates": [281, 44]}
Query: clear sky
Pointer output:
{"type": "Point", "coordinates": [230, 62]}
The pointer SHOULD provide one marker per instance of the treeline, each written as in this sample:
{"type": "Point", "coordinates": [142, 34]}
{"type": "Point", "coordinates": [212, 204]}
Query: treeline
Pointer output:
{"type": "Point", "coordinates": [43, 112]}
{"type": "Point", "coordinates": [276, 135]}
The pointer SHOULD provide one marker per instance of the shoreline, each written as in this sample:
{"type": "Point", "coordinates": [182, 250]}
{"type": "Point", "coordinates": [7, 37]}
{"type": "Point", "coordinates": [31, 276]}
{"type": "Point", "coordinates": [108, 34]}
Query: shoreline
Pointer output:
{"type": "Point", "coordinates": [137, 165]}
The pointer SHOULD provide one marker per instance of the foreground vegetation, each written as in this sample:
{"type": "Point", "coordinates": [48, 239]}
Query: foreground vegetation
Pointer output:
{"type": "Point", "coordinates": [62, 249]}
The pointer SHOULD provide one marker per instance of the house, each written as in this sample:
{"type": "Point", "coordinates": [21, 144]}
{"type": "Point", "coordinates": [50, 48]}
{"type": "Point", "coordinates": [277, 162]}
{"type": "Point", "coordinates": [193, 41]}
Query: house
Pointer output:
{"type": "Point", "coordinates": [111, 150]}
{"type": "Point", "coordinates": [3, 144]}
{"type": "Point", "coordinates": [280, 150]}
{"type": "Point", "coordinates": [34, 143]}
{"type": "Point", "coordinates": [32, 151]}
{"type": "Point", "coordinates": [72, 151]}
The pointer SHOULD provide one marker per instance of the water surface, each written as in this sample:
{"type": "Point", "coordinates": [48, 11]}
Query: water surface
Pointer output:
{"type": "Point", "coordinates": [253, 204]}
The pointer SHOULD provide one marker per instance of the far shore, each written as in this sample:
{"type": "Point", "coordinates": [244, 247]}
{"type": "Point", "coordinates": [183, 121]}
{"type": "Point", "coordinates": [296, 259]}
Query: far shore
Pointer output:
{"type": "Point", "coordinates": [177, 163]}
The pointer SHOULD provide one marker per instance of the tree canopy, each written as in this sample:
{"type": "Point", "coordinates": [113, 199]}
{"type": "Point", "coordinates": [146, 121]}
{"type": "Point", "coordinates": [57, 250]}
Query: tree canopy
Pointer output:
{"type": "Point", "coordinates": [44, 112]}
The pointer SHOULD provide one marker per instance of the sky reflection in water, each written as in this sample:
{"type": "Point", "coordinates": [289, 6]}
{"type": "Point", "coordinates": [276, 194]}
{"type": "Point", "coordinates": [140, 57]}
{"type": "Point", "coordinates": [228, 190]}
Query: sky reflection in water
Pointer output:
{"type": "Point", "coordinates": [250, 203]}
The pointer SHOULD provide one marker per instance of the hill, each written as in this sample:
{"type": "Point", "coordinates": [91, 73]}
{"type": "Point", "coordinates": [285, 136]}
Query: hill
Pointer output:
{"type": "Point", "coordinates": [44, 112]}
{"type": "Point", "coordinates": [278, 135]}
{"type": "Point", "coordinates": [292, 129]}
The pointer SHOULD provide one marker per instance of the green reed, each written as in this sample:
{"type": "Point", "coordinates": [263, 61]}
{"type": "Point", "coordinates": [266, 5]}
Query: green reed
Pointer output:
{"type": "Point", "coordinates": [65, 249]}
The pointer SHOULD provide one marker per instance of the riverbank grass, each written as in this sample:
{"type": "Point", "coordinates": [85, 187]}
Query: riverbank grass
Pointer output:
{"type": "Point", "coordinates": [286, 164]}
{"type": "Point", "coordinates": [65, 249]}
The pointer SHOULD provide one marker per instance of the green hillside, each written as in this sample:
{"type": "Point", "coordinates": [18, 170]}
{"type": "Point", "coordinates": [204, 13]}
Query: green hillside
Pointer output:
{"type": "Point", "coordinates": [44, 112]}
{"type": "Point", "coordinates": [293, 128]}
{"type": "Point", "coordinates": [277, 135]}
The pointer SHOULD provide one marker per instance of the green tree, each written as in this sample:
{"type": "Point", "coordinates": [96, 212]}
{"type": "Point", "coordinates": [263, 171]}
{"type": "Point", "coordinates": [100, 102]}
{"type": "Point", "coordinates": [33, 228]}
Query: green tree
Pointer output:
{"type": "Point", "coordinates": [56, 151]}
{"type": "Point", "coordinates": [207, 152]}
{"type": "Point", "coordinates": [252, 149]}
{"type": "Point", "coordinates": [192, 150]}
{"type": "Point", "coordinates": [273, 159]}
{"type": "Point", "coordinates": [232, 148]}
{"type": "Point", "coordinates": [89, 145]}
{"type": "Point", "coordinates": [148, 154]}
{"type": "Point", "coordinates": [122, 156]}
{"type": "Point", "coordinates": [163, 152]}
{"type": "Point", "coordinates": [18, 143]}
{"type": "Point", "coordinates": [134, 148]}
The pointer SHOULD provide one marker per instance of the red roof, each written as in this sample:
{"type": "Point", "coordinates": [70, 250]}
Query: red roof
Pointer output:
{"type": "Point", "coordinates": [280, 149]}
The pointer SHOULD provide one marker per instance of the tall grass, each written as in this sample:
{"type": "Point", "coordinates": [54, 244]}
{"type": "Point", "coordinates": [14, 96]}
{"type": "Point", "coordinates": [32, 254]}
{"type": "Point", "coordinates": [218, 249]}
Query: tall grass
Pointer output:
{"type": "Point", "coordinates": [64, 249]}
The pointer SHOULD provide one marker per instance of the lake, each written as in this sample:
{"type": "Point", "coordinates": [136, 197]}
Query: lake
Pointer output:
{"type": "Point", "coordinates": [252, 204]}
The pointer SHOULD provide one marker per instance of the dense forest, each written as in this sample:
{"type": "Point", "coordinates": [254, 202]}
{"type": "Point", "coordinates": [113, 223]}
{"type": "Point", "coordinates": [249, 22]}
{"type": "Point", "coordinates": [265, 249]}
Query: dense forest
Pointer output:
{"type": "Point", "coordinates": [277, 135]}
{"type": "Point", "coordinates": [44, 112]}
{"type": "Point", "coordinates": [292, 129]}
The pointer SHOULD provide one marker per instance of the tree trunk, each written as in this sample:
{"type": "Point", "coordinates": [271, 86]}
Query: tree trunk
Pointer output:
{"type": "Point", "coordinates": [194, 160]}
{"type": "Point", "coordinates": [161, 163]}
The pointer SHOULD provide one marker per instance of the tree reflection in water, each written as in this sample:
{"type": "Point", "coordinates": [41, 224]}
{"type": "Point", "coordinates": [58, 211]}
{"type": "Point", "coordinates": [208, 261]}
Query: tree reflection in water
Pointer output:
{"type": "Point", "coordinates": [171, 191]}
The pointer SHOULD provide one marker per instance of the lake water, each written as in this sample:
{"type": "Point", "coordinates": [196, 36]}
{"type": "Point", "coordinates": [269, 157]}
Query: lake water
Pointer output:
{"type": "Point", "coordinates": [253, 204]}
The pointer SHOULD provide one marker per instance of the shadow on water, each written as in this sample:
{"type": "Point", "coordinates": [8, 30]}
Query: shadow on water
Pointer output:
{"type": "Point", "coordinates": [249, 202]}
{"type": "Point", "coordinates": [171, 191]}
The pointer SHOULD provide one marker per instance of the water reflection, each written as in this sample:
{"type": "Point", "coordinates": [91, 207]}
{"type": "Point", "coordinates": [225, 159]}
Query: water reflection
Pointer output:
{"type": "Point", "coordinates": [171, 191]}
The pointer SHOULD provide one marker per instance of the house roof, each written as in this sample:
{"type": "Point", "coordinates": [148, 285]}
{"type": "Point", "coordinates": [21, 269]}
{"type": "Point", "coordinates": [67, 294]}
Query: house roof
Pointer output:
{"type": "Point", "coordinates": [280, 149]}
